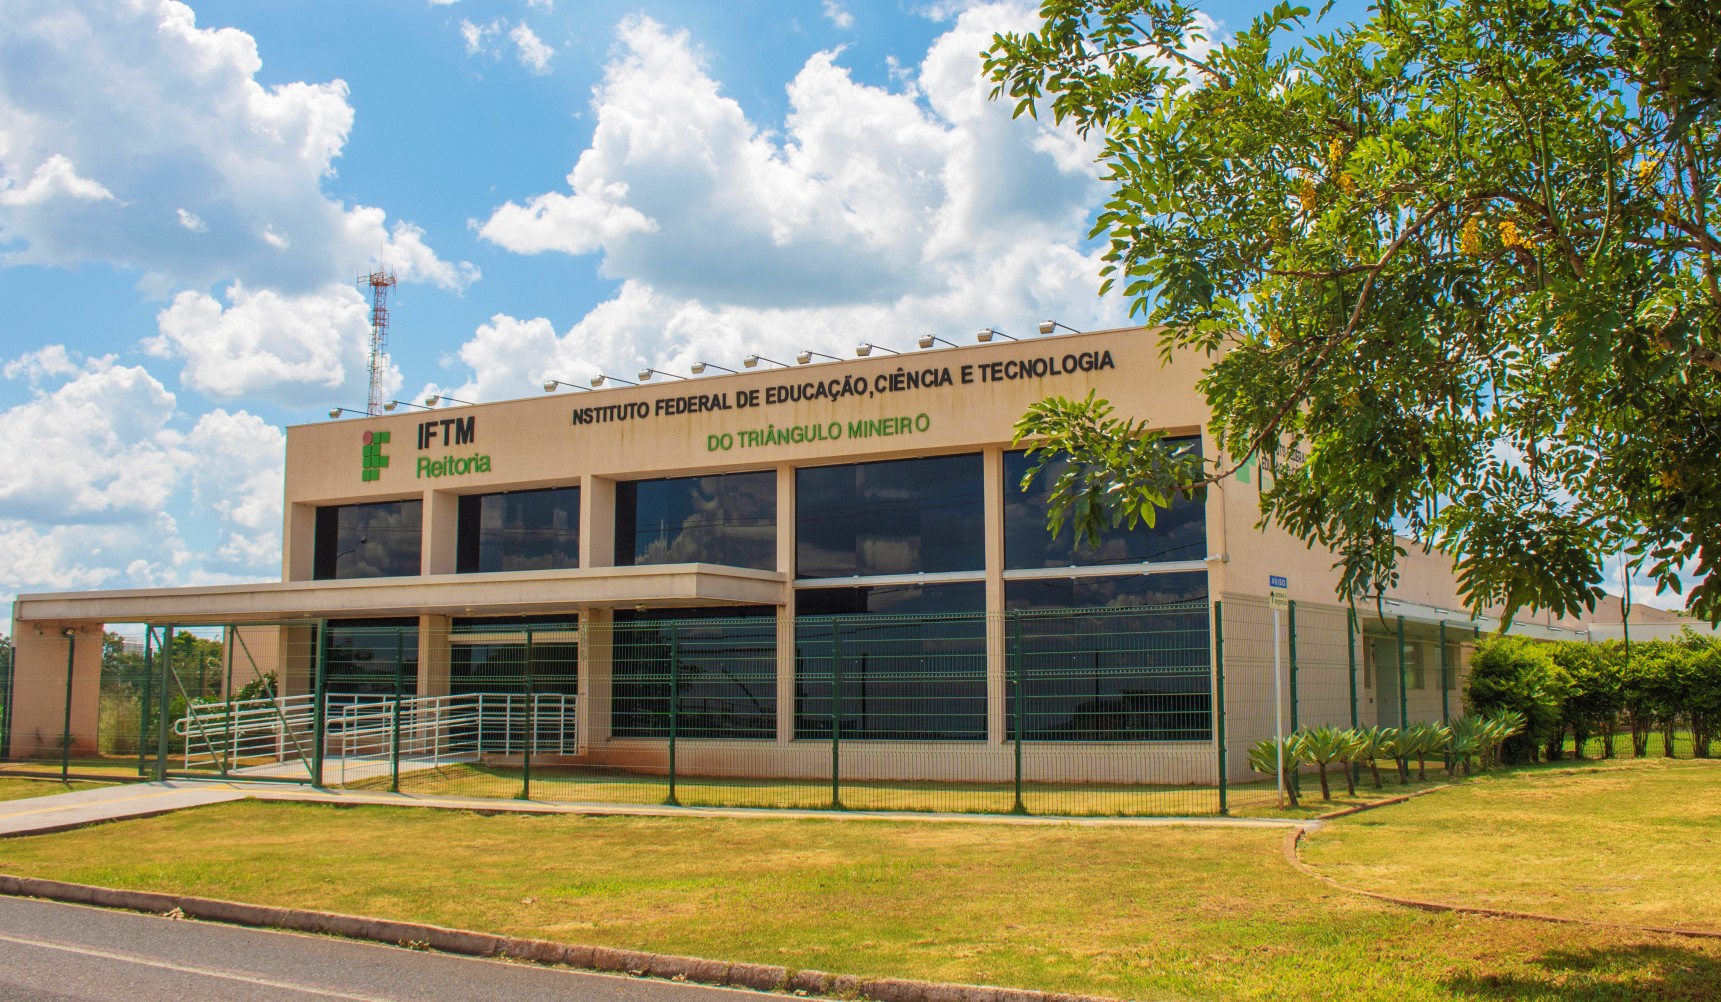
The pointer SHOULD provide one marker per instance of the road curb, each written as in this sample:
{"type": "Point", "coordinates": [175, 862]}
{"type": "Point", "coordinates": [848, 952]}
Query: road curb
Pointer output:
{"type": "Point", "coordinates": [421, 936]}
{"type": "Point", "coordinates": [1295, 837]}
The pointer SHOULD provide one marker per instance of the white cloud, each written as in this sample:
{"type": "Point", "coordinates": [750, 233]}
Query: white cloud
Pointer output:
{"type": "Point", "coordinates": [128, 135]}
{"type": "Point", "coordinates": [96, 449]}
{"type": "Point", "coordinates": [56, 177]}
{"type": "Point", "coordinates": [838, 16]}
{"type": "Point", "coordinates": [443, 3]}
{"type": "Point", "coordinates": [52, 360]}
{"type": "Point", "coordinates": [531, 50]}
{"type": "Point", "coordinates": [94, 464]}
{"type": "Point", "coordinates": [870, 213]}
{"type": "Point", "coordinates": [545, 5]}
{"type": "Point", "coordinates": [476, 36]}
{"type": "Point", "coordinates": [264, 343]}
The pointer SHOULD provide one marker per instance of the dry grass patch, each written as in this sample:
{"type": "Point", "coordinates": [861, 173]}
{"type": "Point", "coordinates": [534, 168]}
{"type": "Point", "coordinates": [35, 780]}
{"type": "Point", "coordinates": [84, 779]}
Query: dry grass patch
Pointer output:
{"type": "Point", "coordinates": [1125, 912]}
{"type": "Point", "coordinates": [1634, 842]}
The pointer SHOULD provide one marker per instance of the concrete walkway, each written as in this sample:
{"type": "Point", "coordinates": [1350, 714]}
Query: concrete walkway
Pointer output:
{"type": "Point", "coordinates": [40, 815]}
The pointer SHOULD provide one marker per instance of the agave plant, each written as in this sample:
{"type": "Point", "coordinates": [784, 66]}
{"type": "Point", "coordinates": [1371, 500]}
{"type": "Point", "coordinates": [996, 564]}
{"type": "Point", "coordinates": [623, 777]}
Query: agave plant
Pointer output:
{"type": "Point", "coordinates": [1264, 758]}
{"type": "Point", "coordinates": [1428, 739]}
{"type": "Point", "coordinates": [1496, 728]}
{"type": "Point", "coordinates": [1372, 744]}
{"type": "Point", "coordinates": [1400, 745]}
{"type": "Point", "coordinates": [1466, 740]}
{"type": "Point", "coordinates": [1323, 746]}
{"type": "Point", "coordinates": [1354, 746]}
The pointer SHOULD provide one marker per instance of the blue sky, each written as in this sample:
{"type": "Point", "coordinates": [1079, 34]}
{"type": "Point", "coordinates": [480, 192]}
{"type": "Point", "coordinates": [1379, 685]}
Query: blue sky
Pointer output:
{"type": "Point", "coordinates": [187, 192]}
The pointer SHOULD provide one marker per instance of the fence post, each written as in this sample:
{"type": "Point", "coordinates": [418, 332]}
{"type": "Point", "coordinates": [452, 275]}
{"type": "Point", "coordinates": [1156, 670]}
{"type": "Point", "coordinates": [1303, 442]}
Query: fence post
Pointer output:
{"type": "Point", "coordinates": [1403, 682]}
{"type": "Point", "coordinates": [164, 704]}
{"type": "Point", "coordinates": [1354, 767]}
{"type": "Point", "coordinates": [1014, 656]}
{"type": "Point", "coordinates": [1445, 678]}
{"type": "Point", "coordinates": [228, 757]}
{"type": "Point", "coordinates": [66, 731]}
{"type": "Point", "coordinates": [143, 706]}
{"type": "Point", "coordinates": [319, 703]}
{"type": "Point", "coordinates": [394, 717]}
{"type": "Point", "coordinates": [8, 671]}
{"type": "Point", "coordinates": [674, 705]}
{"type": "Point", "coordinates": [1291, 634]}
{"type": "Point", "coordinates": [531, 743]}
{"type": "Point", "coordinates": [836, 714]}
{"type": "Point", "coordinates": [1219, 698]}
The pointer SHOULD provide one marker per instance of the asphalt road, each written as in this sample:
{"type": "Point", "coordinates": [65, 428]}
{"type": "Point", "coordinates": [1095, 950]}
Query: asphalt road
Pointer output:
{"type": "Point", "coordinates": [51, 952]}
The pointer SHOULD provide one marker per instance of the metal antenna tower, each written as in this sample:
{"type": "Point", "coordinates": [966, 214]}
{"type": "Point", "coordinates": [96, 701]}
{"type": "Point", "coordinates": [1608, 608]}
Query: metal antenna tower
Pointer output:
{"type": "Point", "coordinates": [379, 282]}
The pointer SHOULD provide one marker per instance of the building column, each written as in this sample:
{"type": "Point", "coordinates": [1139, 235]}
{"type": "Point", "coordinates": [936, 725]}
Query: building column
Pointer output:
{"type": "Point", "coordinates": [39, 691]}
{"type": "Point", "coordinates": [441, 529]}
{"type": "Point", "coordinates": [997, 689]}
{"type": "Point", "coordinates": [596, 654]}
{"type": "Point", "coordinates": [597, 522]}
{"type": "Point", "coordinates": [433, 655]}
{"type": "Point", "coordinates": [786, 614]}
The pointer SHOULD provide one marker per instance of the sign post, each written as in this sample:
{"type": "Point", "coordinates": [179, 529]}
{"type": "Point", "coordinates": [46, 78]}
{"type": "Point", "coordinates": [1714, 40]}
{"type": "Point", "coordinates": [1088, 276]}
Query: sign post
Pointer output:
{"type": "Point", "coordinates": [1276, 597]}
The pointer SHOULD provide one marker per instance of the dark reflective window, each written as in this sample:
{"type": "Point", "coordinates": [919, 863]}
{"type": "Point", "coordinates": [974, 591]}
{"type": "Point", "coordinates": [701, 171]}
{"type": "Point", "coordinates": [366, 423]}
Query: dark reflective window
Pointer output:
{"type": "Point", "coordinates": [1179, 532]}
{"type": "Point", "coordinates": [1121, 658]}
{"type": "Point", "coordinates": [364, 657]}
{"type": "Point", "coordinates": [368, 540]}
{"type": "Point", "coordinates": [491, 661]}
{"type": "Point", "coordinates": [906, 662]}
{"type": "Point", "coordinates": [723, 663]}
{"type": "Point", "coordinates": [729, 519]}
{"type": "Point", "coordinates": [904, 516]}
{"type": "Point", "coordinates": [519, 531]}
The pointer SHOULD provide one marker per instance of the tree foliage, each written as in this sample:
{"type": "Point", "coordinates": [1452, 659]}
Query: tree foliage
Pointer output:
{"type": "Point", "coordinates": [1461, 256]}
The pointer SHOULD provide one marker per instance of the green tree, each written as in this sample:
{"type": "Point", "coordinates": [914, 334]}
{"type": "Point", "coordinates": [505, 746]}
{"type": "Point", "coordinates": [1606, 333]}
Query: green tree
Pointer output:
{"type": "Point", "coordinates": [1592, 695]}
{"type": "Point", "coordinates": [1700, 683]}
{"type": "Point", "coordinates": [1460, 257]}
{"type": "Point", "coordinates": [1517, 674]}
{"type": "Point", "coordinates": [1649, 692]}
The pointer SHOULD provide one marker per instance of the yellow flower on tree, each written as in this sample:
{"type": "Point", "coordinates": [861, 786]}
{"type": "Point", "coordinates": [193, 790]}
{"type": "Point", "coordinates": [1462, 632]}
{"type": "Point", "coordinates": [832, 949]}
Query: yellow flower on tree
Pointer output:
{"type": "Point", "coordinates": [1307, 195]}
{"type": "Point", "coordinates": [1470, 237]}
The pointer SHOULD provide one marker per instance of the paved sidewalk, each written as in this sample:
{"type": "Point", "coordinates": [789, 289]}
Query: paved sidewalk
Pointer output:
{"type": "Point", "coordinates": [40, 815]}
{"type": "Point", "coordinates": [60, 811]}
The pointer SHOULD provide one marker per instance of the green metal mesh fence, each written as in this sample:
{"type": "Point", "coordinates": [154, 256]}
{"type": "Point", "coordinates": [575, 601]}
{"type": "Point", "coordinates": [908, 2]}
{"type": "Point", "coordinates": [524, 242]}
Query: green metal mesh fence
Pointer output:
{"type": "Point", "coordinates": [1101, 711]}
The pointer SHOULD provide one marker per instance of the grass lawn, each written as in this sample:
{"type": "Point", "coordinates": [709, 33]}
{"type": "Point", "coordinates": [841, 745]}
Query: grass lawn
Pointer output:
{"type": "Point", "coordinates": [118, 767]}
{"type": "Point", "coordinates": [18, 789]}
{"type": "Point", "coordinates": [1125, 912]}
{"type": "Point", "coordinates": [1636, 841]}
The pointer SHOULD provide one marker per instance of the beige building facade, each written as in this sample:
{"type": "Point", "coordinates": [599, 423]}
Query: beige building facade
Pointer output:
{"type": "Point", "coordinates": [869, 507]}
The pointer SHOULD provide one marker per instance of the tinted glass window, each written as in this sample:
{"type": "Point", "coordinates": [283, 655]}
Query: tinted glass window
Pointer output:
{"type": "Point", "coordinates": [1110, 590]}
{"type": "Point", "coordinates": [519, 531]}
{"type": "Point", "coordinates": [1179, 532]}
{"type": "Point", "coordinates": [900, 517]}
{"type": "Point", "coordinates": [1111, 670]}
{"type": "Point", "coordinates": [368, 540]}
{"type": "Point", "coordinates": [897, 662]}
{"type": "Point", "coordinates": [365, 657]}
{"type": "Point", "coordinates": [499, 665]}
{"type": "Point", "coordinates": [723, 663]}
{"type": "Point", "coordinates": [730, 519]}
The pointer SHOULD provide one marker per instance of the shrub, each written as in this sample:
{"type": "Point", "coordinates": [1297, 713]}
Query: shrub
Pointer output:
{"type": "Point", "coordinates": [1520, 675]}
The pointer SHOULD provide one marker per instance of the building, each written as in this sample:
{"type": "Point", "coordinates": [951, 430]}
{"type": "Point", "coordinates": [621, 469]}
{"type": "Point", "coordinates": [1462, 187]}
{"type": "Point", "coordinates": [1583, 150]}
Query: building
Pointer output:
{"type": "Point", "coordinates": [713, 570]}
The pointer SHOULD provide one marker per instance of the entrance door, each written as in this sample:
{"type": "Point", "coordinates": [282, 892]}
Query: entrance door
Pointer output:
{"type": "Point", "coordinates": [1386, 681]}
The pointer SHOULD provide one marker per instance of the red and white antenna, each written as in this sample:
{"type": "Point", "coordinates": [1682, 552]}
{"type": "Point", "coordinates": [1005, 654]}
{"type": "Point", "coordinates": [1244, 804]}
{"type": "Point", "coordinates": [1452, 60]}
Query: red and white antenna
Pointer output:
{"type": "Point", "coordinates": [379, 282]}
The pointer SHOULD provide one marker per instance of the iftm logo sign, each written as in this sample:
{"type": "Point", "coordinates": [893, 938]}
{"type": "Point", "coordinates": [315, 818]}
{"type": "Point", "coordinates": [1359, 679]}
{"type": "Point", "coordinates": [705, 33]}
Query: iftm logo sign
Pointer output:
{"type": "Point", "coordinates": [374, 460]}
